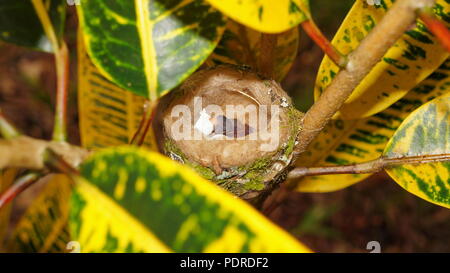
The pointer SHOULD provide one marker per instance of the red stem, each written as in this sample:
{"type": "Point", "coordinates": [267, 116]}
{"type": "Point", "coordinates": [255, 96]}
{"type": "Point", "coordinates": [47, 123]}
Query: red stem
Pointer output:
{"type": "Point", "coordinates": [145, 124]}
{"type": "Point", "coordinates": [55, 162]}
{"type": "Point", "coordinates": [437, 27]}
{"type": "Point", "coordinates": [147, 128]}
{"type": "Point", "coordinates": [317, 36]}
{"type": "Point", "coordinates": [140, 127]}
{"type": "Point", "coordinates": [18, 187]}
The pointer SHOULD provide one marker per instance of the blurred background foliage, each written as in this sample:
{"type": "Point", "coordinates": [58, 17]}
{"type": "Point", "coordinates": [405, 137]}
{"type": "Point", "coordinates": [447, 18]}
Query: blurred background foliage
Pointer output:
{"type": "Point", "coordinates": [344, 221]}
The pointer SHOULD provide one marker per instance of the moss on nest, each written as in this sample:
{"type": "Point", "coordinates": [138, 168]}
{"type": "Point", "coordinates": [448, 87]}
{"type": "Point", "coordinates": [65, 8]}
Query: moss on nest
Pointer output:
{"type": "Point", "coordinates": [255, 172]}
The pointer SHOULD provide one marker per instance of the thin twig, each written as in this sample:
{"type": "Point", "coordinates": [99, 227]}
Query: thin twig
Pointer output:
{"type": "Point", "coordinates": [56, 162]}
{"type": "Point", "coordinates": [360, 62]}
{"type": "Point", "coordinates": [141, 125]}
{"type": "Point", "coordinates": [373, 166]}
{"type": "Point", "coordinates": [145, 124]}
{"type": "Point", "coordinates": [18, 187]}
{"type": "Point", "coordinates": [317, 36]}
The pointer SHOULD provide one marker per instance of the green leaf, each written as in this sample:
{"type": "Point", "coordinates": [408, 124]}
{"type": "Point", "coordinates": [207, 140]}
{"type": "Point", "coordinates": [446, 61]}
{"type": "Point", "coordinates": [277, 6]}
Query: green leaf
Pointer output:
{"type": "Point", "coordinates": [20, 25]}
{"type": "Point", "coordinates": [413, 57]}
{"type": "Point", "coordinates": [149, 47]}
{"type": "Point", "coordinates": [43, 227]}
{"type": "Point", "coordinates": [132, 200]}
{"type": "Point", "coordinates": [425, 132]}
{"type": "Point", "coordinates": [345, 142]}
{"type": "Point", "coordinates": [108, 114]}
{"type": "Point", "coordinates": [265, 16]}
{"type": "Point", "coordinates": [242, 45]}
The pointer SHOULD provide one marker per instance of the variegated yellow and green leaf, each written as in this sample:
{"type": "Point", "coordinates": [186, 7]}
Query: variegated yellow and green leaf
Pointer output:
{"type": "Point", "coordinates": [131, 200]}
{"type": "Point", "coordinates": [415, 56]}
{"type": "Point", "coordinates": [149, 46]}
{"type": "Point", "coordinates": [425, 132]}
{"type": "Point", "coordinates": [108, 114]}
{"type": "Point", "coordinates": [6, 179]}
{"type": "Point", "coordinates": [242, 45]}
{"type": "Point", "coordinates": [265, 15]}
{"type": "Point", "coordinates": [355, 141]}
{"type": "Point", "coordinates": [20, 25]}
{"type": "Point", "coordinates": [43, 228]}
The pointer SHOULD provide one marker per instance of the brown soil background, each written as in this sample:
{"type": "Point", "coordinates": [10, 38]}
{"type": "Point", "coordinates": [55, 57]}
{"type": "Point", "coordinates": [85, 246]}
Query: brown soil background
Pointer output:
{"type": "Point", "coordinates": [376, 209]}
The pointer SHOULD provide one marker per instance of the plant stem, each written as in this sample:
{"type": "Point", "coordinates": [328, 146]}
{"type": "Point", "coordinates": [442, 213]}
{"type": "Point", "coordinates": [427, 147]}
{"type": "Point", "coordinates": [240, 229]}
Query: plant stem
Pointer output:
{"type": "Point", "coordinates": [7, 130]}
{"type": "Point", "coordinates": [146, 122]}
{"type": "Point", "coordinates": [267, 58]}
{"type": "Point", "coordinates": [367, 167]}
{"type": "Point", "coordinates": [52, 161]}
{"type": "Point", "coordinates": [28, 153]}
{"type": "Point", "coordinates": [62, 71]}
{"type": "Point", "coordinates": [56, 162]}
{"type": "Point", "coordinates": [47, 25]}
{"type": "Point", "coordinates": [317, 36]}
{"type": "Point", "coordinates": [373, 166]}
{"type": "Point", "coordinates": [18, 187]}
{"type": "Point", "coordinates": [360, 62]}
{"type": "Point", "coordinates": [437, 27]}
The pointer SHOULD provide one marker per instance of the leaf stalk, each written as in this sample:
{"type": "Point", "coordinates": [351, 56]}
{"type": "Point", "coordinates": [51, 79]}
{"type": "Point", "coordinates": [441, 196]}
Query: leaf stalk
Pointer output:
{"type": "Point", "coordinates": [436, 26]}
{"type": "Point", "coordinates": [19, 186]}
{"type": "Point", "coordinates": [62, 72]}
{"type": "Point", "coordinates": [311, 29]}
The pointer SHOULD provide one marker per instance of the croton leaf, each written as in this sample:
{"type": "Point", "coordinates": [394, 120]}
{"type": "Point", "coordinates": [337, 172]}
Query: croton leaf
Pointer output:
{"type": "Point", "coordinates": [265, 15]}
{"type": "Point", "coordinates": [425, 132]}
{"type": "Point", "coordinates": [413, 57]}
{"type": "Point", "coordinates": [19, 23]}
{"type": "Point", "coordinates": [133, 200]}
{"type": "Point", "coordinates": [108, 114]}
{"type": "Point", "coordinates": [344, 142]}
{"type": "Point", "coordinates": [149, 47]}
{"type": "Point", "coordinates": [43, 228]}
{"type": "Point", "coordinates": [242, 45]}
